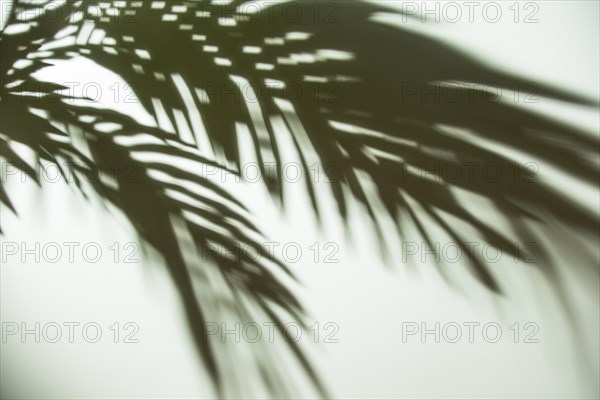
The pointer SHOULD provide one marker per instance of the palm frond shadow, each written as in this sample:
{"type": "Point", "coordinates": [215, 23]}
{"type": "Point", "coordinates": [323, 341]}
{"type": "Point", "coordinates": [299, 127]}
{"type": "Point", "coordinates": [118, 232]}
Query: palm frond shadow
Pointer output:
{"type": "Point", "coordinates": [357, 110]}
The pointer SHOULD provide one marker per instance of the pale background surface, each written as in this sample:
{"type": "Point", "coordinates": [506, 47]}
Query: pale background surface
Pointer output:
{"type": "Point", "coordinates": [367, 301]}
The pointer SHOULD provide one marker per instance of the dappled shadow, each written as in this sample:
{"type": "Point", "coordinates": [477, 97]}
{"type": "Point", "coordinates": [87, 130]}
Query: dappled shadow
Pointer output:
{"type": "Point", "coordinates": [376, 102]}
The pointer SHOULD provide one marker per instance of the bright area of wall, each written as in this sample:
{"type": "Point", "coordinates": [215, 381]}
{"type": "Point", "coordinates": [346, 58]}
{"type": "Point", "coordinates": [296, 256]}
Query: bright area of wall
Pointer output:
{"type": "Point", "coordinates": [368, 301]}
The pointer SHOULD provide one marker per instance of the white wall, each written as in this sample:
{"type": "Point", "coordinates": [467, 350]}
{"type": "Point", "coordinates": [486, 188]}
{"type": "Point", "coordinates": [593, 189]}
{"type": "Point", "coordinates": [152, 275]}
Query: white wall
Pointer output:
{"type": "Point", "coordinates": [368, 301]}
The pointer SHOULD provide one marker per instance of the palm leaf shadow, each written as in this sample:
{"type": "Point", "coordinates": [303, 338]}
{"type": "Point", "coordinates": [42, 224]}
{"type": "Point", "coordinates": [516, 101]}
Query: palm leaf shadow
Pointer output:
{"type": "Point", "coordinates": [357, 111]}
